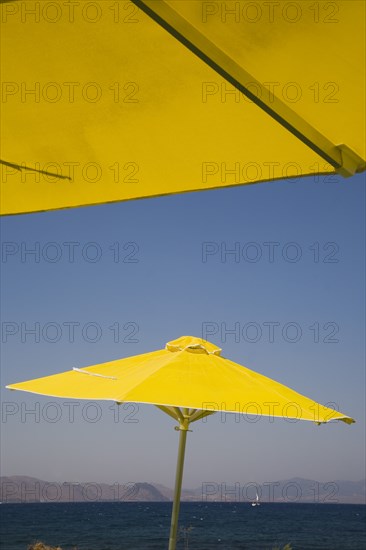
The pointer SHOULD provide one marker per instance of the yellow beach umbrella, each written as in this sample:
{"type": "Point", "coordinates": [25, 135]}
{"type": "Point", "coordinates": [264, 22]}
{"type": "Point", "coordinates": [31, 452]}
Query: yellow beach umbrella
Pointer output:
{"type": "Point", "coordinates": [187, 380]}
{"type": "Point", "coordinates": [109, 101]}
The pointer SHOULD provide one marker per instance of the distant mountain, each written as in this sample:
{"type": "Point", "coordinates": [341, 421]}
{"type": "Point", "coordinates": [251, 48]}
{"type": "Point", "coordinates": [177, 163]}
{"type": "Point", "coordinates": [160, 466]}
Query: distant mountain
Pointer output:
{"type": "Point", "coordinates": [29, 489]}
{"type": "Point", "coordinates": [24, 489]}
{"type": "Point", "coordinates": [288, 490]}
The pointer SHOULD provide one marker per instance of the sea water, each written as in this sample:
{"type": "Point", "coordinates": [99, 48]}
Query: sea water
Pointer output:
{"type": "Point", "coordinates": [203, 526]}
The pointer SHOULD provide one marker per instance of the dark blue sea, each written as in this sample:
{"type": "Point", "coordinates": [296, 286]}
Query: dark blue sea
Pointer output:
{"type": "Point", "coordinates": [222, 526]}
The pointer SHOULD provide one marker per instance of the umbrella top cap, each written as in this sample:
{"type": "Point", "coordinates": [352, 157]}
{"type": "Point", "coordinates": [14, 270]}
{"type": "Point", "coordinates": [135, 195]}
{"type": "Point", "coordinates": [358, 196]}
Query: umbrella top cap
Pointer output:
{"type": "Point", "coordinates": [193, 344]}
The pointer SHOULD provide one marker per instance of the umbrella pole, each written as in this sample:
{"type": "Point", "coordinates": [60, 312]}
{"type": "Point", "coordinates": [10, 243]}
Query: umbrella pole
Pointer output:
{"type": "Point", "coordinates": [178, 486]}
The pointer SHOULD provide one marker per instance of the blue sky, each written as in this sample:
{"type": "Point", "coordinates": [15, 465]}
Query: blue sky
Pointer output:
{"type": "Point", "coordinates": [146, 272]}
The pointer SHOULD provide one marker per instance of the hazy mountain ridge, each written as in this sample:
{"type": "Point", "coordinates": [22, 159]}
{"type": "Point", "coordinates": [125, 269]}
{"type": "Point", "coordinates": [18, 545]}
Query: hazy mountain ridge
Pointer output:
{"type": "Point", "coordinates": [289, 490]}
{"type": "Point", "coordinates": [24, 489]}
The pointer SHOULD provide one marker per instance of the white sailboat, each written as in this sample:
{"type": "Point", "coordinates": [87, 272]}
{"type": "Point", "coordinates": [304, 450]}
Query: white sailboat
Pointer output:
{"type": "Point", "coordinates": [256, 502]}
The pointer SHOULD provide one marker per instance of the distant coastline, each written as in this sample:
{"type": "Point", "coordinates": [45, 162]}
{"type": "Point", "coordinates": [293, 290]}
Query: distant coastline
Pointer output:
{"type": "Point", "coordinates": [24, 489]}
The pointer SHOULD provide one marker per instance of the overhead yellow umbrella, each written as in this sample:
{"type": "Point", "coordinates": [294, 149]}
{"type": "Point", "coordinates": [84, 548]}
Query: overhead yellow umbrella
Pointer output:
{"type": "Point", "coordinates": [110, 101]}
{"type": "Point", "coordinates": [187, 380]}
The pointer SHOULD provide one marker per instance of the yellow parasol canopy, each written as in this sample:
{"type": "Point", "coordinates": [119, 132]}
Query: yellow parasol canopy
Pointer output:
{"type": "Point", "coordinates": [187, 380]}
{"type": "Point", "coordinates": [188, 373]}
{"type": "Point", "coordinates": [110, 101]}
